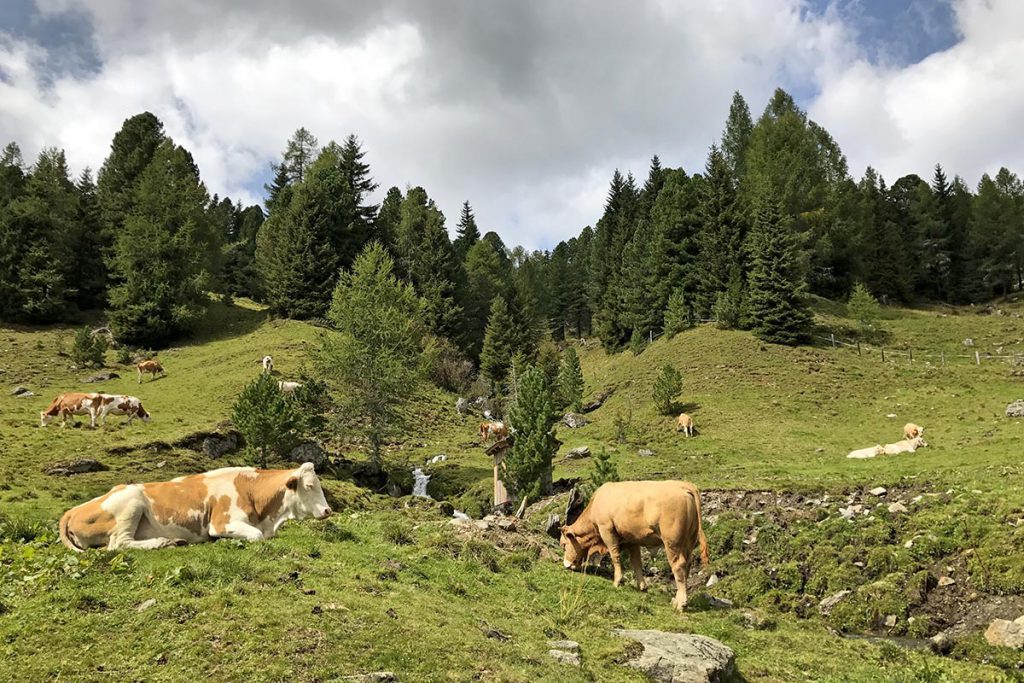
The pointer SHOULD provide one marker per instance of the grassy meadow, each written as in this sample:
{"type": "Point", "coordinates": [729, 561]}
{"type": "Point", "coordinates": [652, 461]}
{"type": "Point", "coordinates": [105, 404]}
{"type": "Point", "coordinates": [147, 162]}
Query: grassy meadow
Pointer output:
{"type": "Point", "coordinates": [389, 584]}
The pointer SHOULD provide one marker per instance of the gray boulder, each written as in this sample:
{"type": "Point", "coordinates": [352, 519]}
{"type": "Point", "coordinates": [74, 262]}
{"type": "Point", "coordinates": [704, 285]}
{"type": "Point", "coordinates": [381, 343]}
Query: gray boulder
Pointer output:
{"type": "Point", "coordinates": [1015, 409]}
{"type": "Point", "coordinates": [219, 445]}
{"type": "Point", "coordinates": [462, 406]}
{"type": "Point", "coordinates": [574, 420]}
{"type": "Point", "coordinates": [681, 657]}
{"type": "Point", "coordinates": [102, 377]}
{"type": "Point", "coordinates": [309, 452]}
{"type": "Point", "coordinates": [1005, 633]}
{"type": "Point", "coordinates": [80, 466]}
{"type": "Point", "coordinates": [578, 452]}
{"type": "Point", "coordinates": [645, 452]}
{"type": "Point", "coordinates": [21, 392]}
{"type": "Point", "coordinates": [826, 605]}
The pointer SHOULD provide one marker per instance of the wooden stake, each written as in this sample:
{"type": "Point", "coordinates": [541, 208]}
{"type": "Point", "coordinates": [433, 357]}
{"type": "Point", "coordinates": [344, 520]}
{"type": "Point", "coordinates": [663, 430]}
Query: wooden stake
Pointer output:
{"type": "Point", "coordinates": [977, 358]}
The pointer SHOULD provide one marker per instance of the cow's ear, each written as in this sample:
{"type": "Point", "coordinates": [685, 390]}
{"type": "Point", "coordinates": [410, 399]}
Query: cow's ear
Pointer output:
{"type": "Point", "coordinates": [292, 483]}
{"type": "Point", "coordinates": [568, 534]}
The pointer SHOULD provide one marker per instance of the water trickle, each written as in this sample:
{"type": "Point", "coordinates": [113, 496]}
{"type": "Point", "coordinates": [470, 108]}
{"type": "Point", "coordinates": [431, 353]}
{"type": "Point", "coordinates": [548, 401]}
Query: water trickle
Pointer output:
{"type": "Point", "coordinates": [420, 481]}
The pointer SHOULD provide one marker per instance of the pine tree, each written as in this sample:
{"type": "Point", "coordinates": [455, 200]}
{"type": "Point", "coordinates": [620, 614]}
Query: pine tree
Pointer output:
{"type": "Point", "coordinates": [722, 232]}
{"type": "Point", "coordinates": [388, 218]}
{"type": "Point", "coordinates": [375, 361]}
{"type": "Point", "coordinates": [527, 470]}
{"type": "Point", "coordinates": [468, 233]}
{"type": "Point", "coordinates": [677, 314]}
{"type": "Point", "coordinates": [131, 151]}
{"type": "Point", "coordinates": [656, 176]}
{"type": "Point", "coordinates": [602, 472]}
{"type": "Point", "coordinates": [91, 246]}
{"type": "Point", "coordinates": [997, 229]}
{"type": "Point", "coordinates": [736, 138]}
{"type": "Point", "coordinates": [730, 308]}
{"type": "Point", "coordinates": [164, 255]}
{"type": "Point", "coordinates": [499, 345]}
{"type": "Point", "coordinates": [266, 419]}
{"type": "Point", "coordinates": [486, 278]}
{"type": "Point", "coordinates": [881, 250]}
{"type": "Point", "coordinates": [776, 285]}
{"type": "Point", "coordinates": [279, 189]}
{"type": "Point", "coordinates": [863, 307]}
{"type": "Point", "coordinates": [570, 381]}
{"type": "Point", "coordinates": [666, 389]}
{"type": "Point", "coordinates": [299, 154]}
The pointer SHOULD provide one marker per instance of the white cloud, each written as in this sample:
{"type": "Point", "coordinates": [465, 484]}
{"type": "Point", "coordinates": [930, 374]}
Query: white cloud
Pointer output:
{"type": "Point", "coordinates": [522, 108]}
{"type": "Point", "coordinates": [961, 107]}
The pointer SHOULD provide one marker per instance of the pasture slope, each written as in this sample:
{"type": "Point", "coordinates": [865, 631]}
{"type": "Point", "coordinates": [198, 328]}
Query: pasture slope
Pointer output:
{"type": "Point", "coordinates": [390, 584]}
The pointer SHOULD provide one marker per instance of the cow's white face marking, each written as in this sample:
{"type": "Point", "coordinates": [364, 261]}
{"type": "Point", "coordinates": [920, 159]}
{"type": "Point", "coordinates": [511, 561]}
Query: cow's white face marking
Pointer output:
{"type": "Point", "coordinates": [308, 495]}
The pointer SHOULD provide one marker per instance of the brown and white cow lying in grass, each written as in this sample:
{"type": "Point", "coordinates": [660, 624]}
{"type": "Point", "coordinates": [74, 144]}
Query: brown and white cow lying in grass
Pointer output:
{"type": "Point", "coordinates": [117, 404]}
{"type": "Point", "coordinates": [153, 367]}
{"type": "Point", "coordinates": [870, 452]}
{"type": "Point", "coordinates": [233, 502]}
{"type": "Point", "coordinates": [629, 515]}
{"type": "Point", "coordinates": [66, 406]}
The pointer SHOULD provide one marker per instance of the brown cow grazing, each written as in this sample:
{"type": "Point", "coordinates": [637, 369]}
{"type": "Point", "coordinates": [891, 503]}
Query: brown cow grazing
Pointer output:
{"type": "Point", "coordinates": [67, 405]}
{"type": "Point", "coordinates": [684, 424]}
{"type": "Point", "coordinates": [497, 430]}
{"type": "Point", "coordinates": [629, 515]}
{"type": "Point", "coordinates": [912, 431]}
{"type": "Point", "coordinates": [151, 366]}
{"type": "Point", "coordinates": [233, 502]}
{"type": "Point", "coordinates": [117, 404]}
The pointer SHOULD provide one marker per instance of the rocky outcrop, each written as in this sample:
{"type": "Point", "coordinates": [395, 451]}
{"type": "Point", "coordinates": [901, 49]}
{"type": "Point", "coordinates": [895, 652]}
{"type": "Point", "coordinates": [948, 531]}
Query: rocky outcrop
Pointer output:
{"type": "Point", "coordinates": [309, 452]}
{"type": "Point", "coordinates": [1005, 633]}
{"type": "Point", "coordinates": [681, 657]}
{"type": "Point", "coordinates": [102, 377]}
{"type": "Point", "coordinates": [574, 420]}
{"type": "Point", "coordinates": [1015, 409]}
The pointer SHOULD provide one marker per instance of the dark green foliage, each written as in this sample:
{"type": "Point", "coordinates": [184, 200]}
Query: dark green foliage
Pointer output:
{"type": "Point", "coordinates": [777, 309]}
{"type": "Point", "coordinates": [266, 419]}
{"type": "Point", "coordinates": [863, 307]}
{"type": "Point", "coordinates": [487, 276]}
{"type": "Point", "coordinates": [722, 232]}
{"type": "Point", "coordinates": [279, 190]}
{"type": "Point", "coordinates": [602, 472]}
{"type": "Point", "coordinates": [299, 155]}
{"type": "Point", "coordinates": [388, 218]}
{"type": "Point", "coordinates": [88, 349]}
{"type": "Point", "coordinates": [997, 234]}
{"type": "Point", "coordinates": [549, 361]}
{"type": "Point", "coordinates": [736, 138]}
{"type": "Point", "coordinates": [730, 308]}
{"type": "Point", "coordinates": [468, 233]}
{"type": "Point", "coordinates": [131, 150]}
{"type": "Point", "coordinates": [375, 361]}
{"type": "Point", "coordinates": [666, 389]}
{"type": "Point", "coordinates": [677, 314]}
{"type": "Point", "coordinates": [91, 245]}
{"type": "Point", "coordinates": [570, 381]}
{"type": "Point", "coordinates": [164, 256]}
{"type": "Point", "coordinates": [527, 470]}
{"type": "Point", "coordinates": [240, 276]}
{"type": "Point", "coordinates": [499, 344]}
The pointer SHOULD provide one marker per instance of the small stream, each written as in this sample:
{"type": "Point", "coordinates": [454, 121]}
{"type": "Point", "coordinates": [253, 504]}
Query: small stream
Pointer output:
{"type": "Point", "coordinates": [420, 481]}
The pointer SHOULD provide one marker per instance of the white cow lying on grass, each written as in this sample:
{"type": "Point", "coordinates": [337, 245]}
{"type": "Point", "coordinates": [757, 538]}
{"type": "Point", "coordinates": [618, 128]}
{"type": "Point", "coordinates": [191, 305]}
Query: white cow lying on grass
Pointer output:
{"type": "Point", "coordinates": [233, 502]}
{"type": "Point", "coordinates": [905, 446]}
{"type": "Point", "coordinates": [867, 452]}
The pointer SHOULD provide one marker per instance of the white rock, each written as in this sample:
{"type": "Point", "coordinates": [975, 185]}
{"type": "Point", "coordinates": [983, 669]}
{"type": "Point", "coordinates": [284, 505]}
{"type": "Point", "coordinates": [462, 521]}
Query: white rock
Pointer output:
{"type": "Point", "coordinates": [946, 581]}
{"type": "Point", "coordinates": [146, 605]}
{"type": "Point", "coordinates": [890, 621]}
{"type": "Point", "coordinates": [878, 491]}
{"type": "Point", "coordinates": [571, 658]}
{"type": "Point", "coordinates": [897, 507]}
{"type": "Point", "coordinates": [712, 580]}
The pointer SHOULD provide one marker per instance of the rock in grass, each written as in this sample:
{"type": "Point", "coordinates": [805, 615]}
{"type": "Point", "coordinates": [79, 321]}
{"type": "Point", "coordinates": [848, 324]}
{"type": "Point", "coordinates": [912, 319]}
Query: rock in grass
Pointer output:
{"type": "Point", "coordinates": [80, 466]}
{"type": "Point", "coordinates": [21, 392]}
{"type": "Point", "coordinates": [940, 643]}
{"type": "Point", "coordinates": [217, 445]}
{"type": "Point", "coordinates": [946, 581]}
{"type": "Point", "coordinates": [566, 645]}
{"type": "Point", "coordinates": [146, 605]}
{"type": "Point", "coordinates": [309, 452]}
{"type": "Point", "coordinates": [826, 605]}
{"type": "Point", "coordinates": [1005, 633]}
{"type": "Point", "coordinates": [374, 677]}
{"type": "Point", "coordinates": [1015, 409]}
{"type": "Point", "coordinates": [102, 377]}
{"type": "Point", "coordinates": [681, 657]}
{"type": "Point", "coordinates": [878, 491]}
{"type": "Point", "coordinates": [897, 507]}
{"type": "Point", "coordinates": [578, 452]}
{"type": "Point", "coordinates": [563, 657]}
{"type": "Point", "coordinates": [645, 452]}
{"type": "Point", "coordinates": [574, 420]}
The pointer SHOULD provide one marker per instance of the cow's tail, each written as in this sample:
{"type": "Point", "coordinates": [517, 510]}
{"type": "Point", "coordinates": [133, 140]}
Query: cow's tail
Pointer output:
{"type": "Point", "coordinates": [65, 536]}
{"type": "Point", "coordinates": [700, 530]}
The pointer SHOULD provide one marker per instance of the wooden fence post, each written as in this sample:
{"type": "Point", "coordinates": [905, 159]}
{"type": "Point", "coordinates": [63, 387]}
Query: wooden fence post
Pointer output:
{"type": "Point", "coordinates": [652, 336]}
{"type": "Point", "coordinates": [911, 351]}
{"type": "Point", "coordinates": [942, 354]}
{"type": "Point", "coordinates": [883, 354]}
{"type": "Point", "coordinates": [977, 358]}
{"type": "Point", "coordinates": [833, 335]}
{"type": "Point", "coordinates": [858, 347]}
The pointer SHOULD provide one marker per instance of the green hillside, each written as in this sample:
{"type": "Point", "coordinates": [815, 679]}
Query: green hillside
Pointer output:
{"type": "Point", "coordinates": [390, 584]}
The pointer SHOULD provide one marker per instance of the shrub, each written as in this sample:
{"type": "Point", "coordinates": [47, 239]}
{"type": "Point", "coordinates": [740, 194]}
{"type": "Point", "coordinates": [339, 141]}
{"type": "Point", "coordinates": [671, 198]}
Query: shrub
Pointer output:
{"type": "Point", "coordinates": [124, 356]}
{"type": "Point", "coordinates": [88, 349]}
{"type": "Point", "coordinates": [602, 472]}
{"type": "Point", "coordinates": [666, 388]}
{"type": "Point", "coordinates": [266, 419]}
{"type": "Point", "coordinates": [397, 533]}
{"type": "Point", "coordinates": [528, 463]}
{"type": "Point", "coordinates": [449, 368]}
{"type": "Point", "coordinates": [863, 307]}
{"type": "Point", "coordinates": [570, 381]}
{"type": "Point", "coordinates": [677, 315]}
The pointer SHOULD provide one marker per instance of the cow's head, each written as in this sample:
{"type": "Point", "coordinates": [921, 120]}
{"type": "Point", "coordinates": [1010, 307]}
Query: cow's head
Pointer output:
{"type": "Point", "coordinates": [919, 442]}
{"type": "Point", "coordinates": [45, 418]}
{"type": "Point", "coordinates": [141, 413]}
{"type": "Point", "coordinates": [580, 550]}
{"type": "Point", "coordinates": [305, 497]}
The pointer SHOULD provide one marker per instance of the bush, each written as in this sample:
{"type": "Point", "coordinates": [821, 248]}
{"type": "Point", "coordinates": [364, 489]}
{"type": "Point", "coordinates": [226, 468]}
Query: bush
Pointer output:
{"type": "Point", "coordinates": [267, 420]}
{"type": "Point", "coordinates": [666, 388]}
{"type": "Point", "coordinates": [124, 356]}
{"type": "Point", "coordinates": [570, 381]}
{"type": "Point", "coordinates": [397, 533]}
{"type": "Point", "coordinates": [449, 369]}
{"type": "Point", "coordinates": [863, 307]}
{"type": "Point", "coordinates": [677, 315]}
{"type": "Point", "coordinates": [602, 472]}
{"type": "Point", "coordinates": [527, 470]}
{"type": "Point", "coordinates": [88, 349]}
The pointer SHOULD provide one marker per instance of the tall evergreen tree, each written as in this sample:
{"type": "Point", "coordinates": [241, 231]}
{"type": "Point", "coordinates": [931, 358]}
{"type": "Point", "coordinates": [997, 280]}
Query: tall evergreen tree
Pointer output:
{"type": "Point", "coordinates": [656, 176]}
{"type": "Point", "coordinates": [722, 232]}
{"type": "Point", "coordinates": [131, 151]}
{"type": "Point", "coordinates": [279, 189]}
{"type": "Point", "coordinates": [776, 300]}
{"type": "Point", "coordinates": [164, 255]}
{"type": "Point", "coordinates": [468, 233]}
{"type": "Point", "coordinates": [91, 246]}
{"type": "Point", "coordinates": [570, 381]}
{"type": "Point", "coordinates": [527, 470]}
{"type": "Point", "coordinates": [881, 247]}
{"type": "Point", "coordinates": [388, 218]}
{"type": "Point", "coordinates": [486, 278]}
{"type": "Point", "coordinates": [299, 154]}
{"type": "Point", "coordinates": [736, 138]}
{"type": "Point", "coordinates": [499, 345]}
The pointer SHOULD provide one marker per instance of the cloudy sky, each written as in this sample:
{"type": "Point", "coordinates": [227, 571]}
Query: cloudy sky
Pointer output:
{"type": "Point", "coordinates": [523, 108]}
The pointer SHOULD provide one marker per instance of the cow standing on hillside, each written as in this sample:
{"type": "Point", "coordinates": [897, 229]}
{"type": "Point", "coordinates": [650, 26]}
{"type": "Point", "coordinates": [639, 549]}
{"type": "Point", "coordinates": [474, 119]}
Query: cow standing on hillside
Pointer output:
{"type": "Point", "coordinates": [116, 404]}
{"type": "Point", "coordinates": [151, 366]}
{"type": "Point", "coordinates": [684, 424]}
{"type": "Point", "coordinates": [630, 515]}
{"type": "Point", "coordinates": [495, 430]}
{"type": "Point", "coordinates": [68, 405]}
{"type": "Point", "coordinates": [268, 365]}
{"type": "Point", "coordinates": [233, 502]}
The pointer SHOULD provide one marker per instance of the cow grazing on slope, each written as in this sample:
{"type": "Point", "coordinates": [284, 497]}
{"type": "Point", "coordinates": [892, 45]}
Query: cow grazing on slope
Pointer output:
{"type": "Point", "coordinates": [153, 367]}
{"type": "Point", "coordinates": [866, 452]}
{"type": "Point", "coordinates": [684, 424]}
{"type": "Point", "coordinates": [67, 405]}
{"type": "Point", "coordinates": [912, 431]}
{"type": "Point", "coordinates": [495, 430]}
{"type": "Point", "coordinates": [118, 405]}
{"type": "Point", "coordinates": [630, 515]}
{"type": "Point", "coordinates": [905, 446]}
{"type": "Point", "coordinates": [233, 502]}
{"type": "Point", "coordinates": [268, 365]}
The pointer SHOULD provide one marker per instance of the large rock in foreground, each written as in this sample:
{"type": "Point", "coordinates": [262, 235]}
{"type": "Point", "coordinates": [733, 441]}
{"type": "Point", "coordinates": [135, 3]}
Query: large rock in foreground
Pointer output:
{"type": "Point", "coordinates": [1005, 633]}
{"type": "Point", "coordinates": [681, 657]}
{"type": "Point", "coordinates": [1015, 409]}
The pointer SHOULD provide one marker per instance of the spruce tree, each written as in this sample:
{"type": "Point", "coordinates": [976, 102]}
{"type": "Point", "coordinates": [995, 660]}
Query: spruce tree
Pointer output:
{"type": "Point", "coordinates": [499, 345]}
{"type": "Point", "coordinates": [131, 151]}
{"type": "Point", "coordinates": [863, 307]}
{"type": "Point", "coordinates": [666, 389]}
{"type": "Point", "coordinates": [527, 465]}
{"type": "Point", "coordinates": [265, 418]}
{"type": "Point", "coordinates": [602, 472]}
{"type": "Point", "coordinates": [279, 189]}
{"type": "Point", "coordinates": [486, 278]}
{"type": "Point", "coordinates": [468, 233]}
{"type": "Point", "coordinates": [730, 307]}
{"type": "Point", "coordinates": [91, 246]}
{"type": "Point", "coordinates": [736, 138]}
{"type": "Point", "coordinates": [299, 154]}
{"type": "Point", "coordinates": [570, 381]}
{"type": "Point", "coordinates": [777, 309]}
{"type": "Point", "coordinates": [656, 176]}
{"type": "Point", "coordinates": [677, 314]}
{"type": "Point", "coordinates": [721, 235]}
{"type": "Point", "coordinates": [164, 256]}
{"type": "Point", "coordinates": [388, 218]}
{"type": "Point", "coordinates": [375, 360]}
